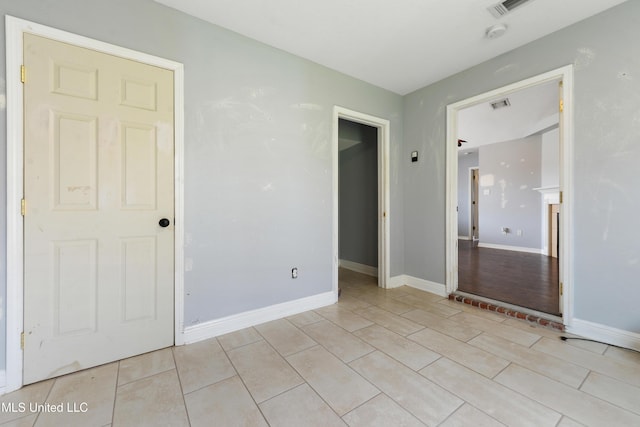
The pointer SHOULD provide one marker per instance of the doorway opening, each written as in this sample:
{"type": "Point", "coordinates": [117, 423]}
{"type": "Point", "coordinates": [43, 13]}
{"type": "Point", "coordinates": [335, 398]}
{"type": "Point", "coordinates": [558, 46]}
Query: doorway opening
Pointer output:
{"type": "Point", "coordinates": [507, 258]}
{"type": "Point", "coordinates": [361, 194]}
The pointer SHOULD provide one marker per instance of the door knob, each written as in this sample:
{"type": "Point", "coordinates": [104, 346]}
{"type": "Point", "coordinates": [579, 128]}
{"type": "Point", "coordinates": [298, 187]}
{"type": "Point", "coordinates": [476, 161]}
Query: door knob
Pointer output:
{"type": "Point", "coordinates": [164, 222]}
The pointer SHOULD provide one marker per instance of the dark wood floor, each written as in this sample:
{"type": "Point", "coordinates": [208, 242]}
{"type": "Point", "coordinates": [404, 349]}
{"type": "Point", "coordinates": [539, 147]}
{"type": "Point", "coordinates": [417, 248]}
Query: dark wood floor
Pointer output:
{"type": "Point", "coordinates": [519, 278]}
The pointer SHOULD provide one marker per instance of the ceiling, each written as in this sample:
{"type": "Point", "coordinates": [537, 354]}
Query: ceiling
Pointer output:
{"type": "Point", "coordinates": [531, 111]}
{"type": "Point", "coordinates": [400, 45]}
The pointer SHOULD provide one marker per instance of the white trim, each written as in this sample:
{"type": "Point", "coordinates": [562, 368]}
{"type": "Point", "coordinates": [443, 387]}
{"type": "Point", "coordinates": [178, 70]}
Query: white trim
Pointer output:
{"type": "Point", "coordinates": [564, 74]}
{"type": "Point", "coordinates": [383, 189]}
{"type": "Point", "coordinates": [423, 285]}
{"type": "Point", "coordinates": [239, 321]}
{"type": "Point", "coordinates": [359, 268]}
{"type": "Point", "coordinates": [14, 30]}
{"type": "Point", "coordinates": [14, 195]}
{"type": "Point", "coordinates": [511, 248]}
{"type": "Point", "coordinates": [603, 333]}
{"type": "Point", "coordinates": [396, 281]}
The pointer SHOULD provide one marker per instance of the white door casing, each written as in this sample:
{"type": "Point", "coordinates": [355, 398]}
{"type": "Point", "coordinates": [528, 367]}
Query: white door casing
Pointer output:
{"type": "Point", "coordinates": [128, 249]}
{"type": "Point", "coordinates": [565, 75]}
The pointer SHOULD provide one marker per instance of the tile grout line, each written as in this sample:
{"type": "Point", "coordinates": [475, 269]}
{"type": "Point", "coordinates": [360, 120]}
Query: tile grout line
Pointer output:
{"type": "Point", "coordinates": [382, 393]}
{"type": "Point", "coordinates": [244, 384]}
{"type": "Point", "coordinates": [184, 401]}
{"type": "Point", "coordinates": [562, 414]}
{"type": "Point", "coordinates": [345, 363]}
{"type": "Point", "coordinates": [456, 394]}
{"type": "Point", "coordinates": [115, 393]}
{"type": "Point", "coordinates": [542, 373]}
{"type": "Point", "coordinates": [242, 345]}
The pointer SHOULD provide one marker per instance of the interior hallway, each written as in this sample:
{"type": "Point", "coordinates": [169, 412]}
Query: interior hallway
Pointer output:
{"type": "Point", "coordinates": [377, 358]}
{"type": "Point", "coordinates": [519, 278]}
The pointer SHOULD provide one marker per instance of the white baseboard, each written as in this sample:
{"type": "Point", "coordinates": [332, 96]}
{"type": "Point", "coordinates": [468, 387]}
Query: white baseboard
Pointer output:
{"type": "Point", "coordinates": [239, 321]}
{"type": "Point", "coordinates": [511, 248]}
{"type": "Point", "coordinates": [359, 268]}
{"type": "Point", "coordinates": [396, 281]}
{"type": "Point", "coordinates": [414, 282]}
{"type": "Point", "coordinates": [606, 334]}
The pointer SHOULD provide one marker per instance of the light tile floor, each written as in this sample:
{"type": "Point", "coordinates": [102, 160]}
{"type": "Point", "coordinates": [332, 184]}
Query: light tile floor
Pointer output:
{"type": "Point", "coordinates": [398, 357]}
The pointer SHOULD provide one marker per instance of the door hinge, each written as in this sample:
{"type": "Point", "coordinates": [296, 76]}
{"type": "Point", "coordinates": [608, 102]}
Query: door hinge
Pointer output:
{"type": "Point", "coordinates": [23, 207]}
{"type": "Point", "coordinates": [561, 197]}
{"type": "Point", "coordinates": [561, 105]}
{"type": "Point", "coordinates": [21, 340]}
{"type": "Point", "coordinates": [23, 74]}
{"type": "Point", "coordinates": [561, 288]}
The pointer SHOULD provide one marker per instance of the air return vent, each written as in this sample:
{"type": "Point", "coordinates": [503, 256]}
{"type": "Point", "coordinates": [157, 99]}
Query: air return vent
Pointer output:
{"type": "Point", "coordinates": [506, 6]}
{"type": "Point", "coordinates": [501, 103]}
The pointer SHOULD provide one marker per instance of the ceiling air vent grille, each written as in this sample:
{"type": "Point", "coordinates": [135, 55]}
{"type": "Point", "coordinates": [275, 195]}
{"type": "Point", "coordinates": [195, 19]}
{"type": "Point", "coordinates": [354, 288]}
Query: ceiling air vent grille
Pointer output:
{"type": "Point", "coordinates": [501, 103]}
{"type": "Point", "coordinates": [506, 6]}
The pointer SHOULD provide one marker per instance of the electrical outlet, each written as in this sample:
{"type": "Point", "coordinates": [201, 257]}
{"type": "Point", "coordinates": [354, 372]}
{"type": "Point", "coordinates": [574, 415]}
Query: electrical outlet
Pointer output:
{"type": "Point", "coordinates": [294, 273]}
{"type": "Point", "coordinates": [519, 233]}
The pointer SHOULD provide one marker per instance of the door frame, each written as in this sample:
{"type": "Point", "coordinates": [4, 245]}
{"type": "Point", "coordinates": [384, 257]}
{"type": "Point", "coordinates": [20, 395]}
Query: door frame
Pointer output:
{"type": "Point", "coordinates": [382, 125]}
{"type": "Point", "coordinates": [15, 28]}
{"type": "Point", "coordinates": [565, 75]}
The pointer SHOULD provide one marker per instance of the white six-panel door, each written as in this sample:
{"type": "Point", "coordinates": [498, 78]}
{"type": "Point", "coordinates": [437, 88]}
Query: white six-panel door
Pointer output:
{"type": "Point", "coordinates": [98, 178]}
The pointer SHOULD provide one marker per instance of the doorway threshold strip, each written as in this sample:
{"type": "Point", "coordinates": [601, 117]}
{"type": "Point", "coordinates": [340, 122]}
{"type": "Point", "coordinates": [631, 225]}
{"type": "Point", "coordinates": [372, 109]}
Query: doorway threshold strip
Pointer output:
{"type": "Point", "coordinates": [510, 312]}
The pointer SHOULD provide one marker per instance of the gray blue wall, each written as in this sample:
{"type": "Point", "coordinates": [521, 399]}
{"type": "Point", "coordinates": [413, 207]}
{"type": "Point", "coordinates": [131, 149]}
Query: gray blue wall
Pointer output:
{"type": "Point", "coordinates": [606, 195]}
{"type": "Point", "coordinates": [550, 176]}
{"type": "Point", "coordinates": [509, 172]}
{"type": "Point", "coordinates": [359, 196]}
{"type": "Point", "coordinates": [258, 158]}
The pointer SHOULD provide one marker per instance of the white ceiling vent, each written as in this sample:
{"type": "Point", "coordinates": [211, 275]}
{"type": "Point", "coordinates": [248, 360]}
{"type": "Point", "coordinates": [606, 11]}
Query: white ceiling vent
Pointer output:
{"type": "Point", "coordinates": [506, 6]}
{"type": "Point", "coordinates": [501, 103]}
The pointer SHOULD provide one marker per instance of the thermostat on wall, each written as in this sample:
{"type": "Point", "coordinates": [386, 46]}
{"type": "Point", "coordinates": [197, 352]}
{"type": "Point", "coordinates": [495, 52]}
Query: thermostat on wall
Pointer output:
{"type": "Point", "coordinates": [414, 156]}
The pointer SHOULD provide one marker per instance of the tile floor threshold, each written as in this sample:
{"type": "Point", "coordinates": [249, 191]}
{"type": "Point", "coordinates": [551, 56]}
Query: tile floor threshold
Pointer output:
{"type": "Point", "coordinates": [508, 311]}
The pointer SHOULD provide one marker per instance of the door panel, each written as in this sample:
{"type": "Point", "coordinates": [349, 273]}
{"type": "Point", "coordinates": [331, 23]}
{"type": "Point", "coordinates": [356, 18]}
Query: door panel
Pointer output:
{"type": "Point", "coordinates": [98, 150]}
{"type": "Point", "coordinates": [139, 169]}
{"type": "Point", "coordinates": [75, 271]}
{"type": "Point", "coordinates": [139, 281]}
{"type": "Point", "coordinates": [74, 161]}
